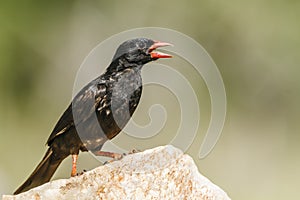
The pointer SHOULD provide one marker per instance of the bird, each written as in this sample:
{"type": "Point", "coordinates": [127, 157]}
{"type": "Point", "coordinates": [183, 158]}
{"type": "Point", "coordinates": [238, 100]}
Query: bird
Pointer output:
{"type": "Point", "coordinates": [99, 111]}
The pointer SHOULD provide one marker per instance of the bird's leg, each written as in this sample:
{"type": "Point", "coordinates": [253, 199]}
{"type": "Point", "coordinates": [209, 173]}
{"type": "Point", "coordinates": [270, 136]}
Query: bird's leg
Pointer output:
{"type": "Point", "coordinates": [74, 162]}
{"type": "Point", "coordinates": [115, 156]}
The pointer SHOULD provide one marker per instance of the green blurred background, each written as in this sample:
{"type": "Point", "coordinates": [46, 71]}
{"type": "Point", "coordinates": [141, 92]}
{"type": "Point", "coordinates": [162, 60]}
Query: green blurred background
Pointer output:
{"type": "Point", "coordinates": [255, 44]}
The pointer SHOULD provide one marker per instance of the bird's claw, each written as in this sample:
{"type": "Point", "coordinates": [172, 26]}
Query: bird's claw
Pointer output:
{"type": "Point", "coordinates": [134, 150]}
{"type": "Point", "coordinates": [116, 156]}
{"type": "Point", "coordinates": [80, 173]}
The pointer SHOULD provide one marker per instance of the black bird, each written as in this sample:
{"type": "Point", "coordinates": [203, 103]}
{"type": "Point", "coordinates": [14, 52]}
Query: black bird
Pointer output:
{"type": "Point", "coordinates": [99, 111]}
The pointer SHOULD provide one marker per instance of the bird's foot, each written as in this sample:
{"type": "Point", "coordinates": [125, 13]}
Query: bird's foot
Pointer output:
{"type": "Point", "coordinates": [119, 157]}
{"type": "Point", "coordinates": [114, 156]}
{"type": "Point", "coordinates": [134, 150]}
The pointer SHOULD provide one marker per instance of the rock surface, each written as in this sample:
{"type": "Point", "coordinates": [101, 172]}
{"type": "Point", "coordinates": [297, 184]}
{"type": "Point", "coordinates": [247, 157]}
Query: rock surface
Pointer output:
{"type": "Point", "coordinates": [159, 173]}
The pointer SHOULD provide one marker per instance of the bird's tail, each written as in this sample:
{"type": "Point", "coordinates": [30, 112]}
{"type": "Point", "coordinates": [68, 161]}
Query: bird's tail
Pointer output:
{"type": "Point", "coordinates": [42, 173]}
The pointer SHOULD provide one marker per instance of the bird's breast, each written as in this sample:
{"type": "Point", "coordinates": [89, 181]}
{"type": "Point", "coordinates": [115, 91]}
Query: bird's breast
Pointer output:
{"type": "Point", "coordinates": [122, 98]}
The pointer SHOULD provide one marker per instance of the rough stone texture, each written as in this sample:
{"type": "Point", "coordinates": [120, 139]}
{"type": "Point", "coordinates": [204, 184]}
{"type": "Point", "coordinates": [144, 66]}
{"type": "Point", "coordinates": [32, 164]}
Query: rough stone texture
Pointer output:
{"type": "Point", "coordinates": [159, 173]}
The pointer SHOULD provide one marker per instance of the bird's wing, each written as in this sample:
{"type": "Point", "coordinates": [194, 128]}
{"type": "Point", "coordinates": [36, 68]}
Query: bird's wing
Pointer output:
{"type": "Point", "coordinates": [82, 108]}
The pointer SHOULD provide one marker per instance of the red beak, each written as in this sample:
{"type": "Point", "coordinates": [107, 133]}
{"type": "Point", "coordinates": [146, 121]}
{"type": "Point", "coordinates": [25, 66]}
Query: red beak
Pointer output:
{"type": "Point", "coordinates": [156, 54]}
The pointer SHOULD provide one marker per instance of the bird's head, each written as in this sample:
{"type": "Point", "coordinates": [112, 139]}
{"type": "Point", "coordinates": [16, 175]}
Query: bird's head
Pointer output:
{"type": "Point", "coordinates": [140, 51]}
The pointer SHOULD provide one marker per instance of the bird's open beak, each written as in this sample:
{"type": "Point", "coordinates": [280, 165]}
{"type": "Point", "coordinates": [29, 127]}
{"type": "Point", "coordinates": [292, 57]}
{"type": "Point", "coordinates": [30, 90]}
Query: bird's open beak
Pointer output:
{"type": "Point", "coordinates": [156, 54]}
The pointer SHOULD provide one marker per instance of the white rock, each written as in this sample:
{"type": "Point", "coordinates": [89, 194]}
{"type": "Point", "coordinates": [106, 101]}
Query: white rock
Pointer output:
{"type": "Point", "coordinates": [159, 173]}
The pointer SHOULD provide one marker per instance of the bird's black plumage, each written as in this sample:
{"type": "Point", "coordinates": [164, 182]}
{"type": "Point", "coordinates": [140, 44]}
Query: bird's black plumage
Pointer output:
{"type": "Point", "coordinates": [99, 111]}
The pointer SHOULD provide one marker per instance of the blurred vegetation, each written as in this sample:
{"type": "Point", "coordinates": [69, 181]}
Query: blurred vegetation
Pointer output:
{"type": "Point", "coordinates": [255, 44]}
